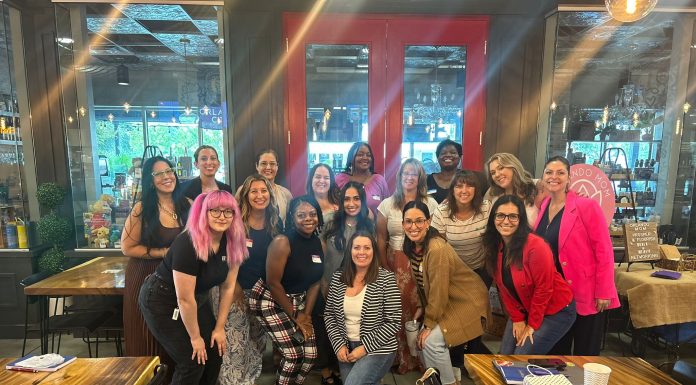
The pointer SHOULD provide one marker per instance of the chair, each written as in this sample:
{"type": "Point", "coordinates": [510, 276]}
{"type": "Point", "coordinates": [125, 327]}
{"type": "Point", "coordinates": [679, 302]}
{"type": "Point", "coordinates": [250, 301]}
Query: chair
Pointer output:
{"type": "Point", "coordinates": [684, 372]}
{"type": "Point", "coordinates": [160, 375]}
{"type": "Point", "coordinates": [87, 322]}
{"type": "Point", "coordinates": [112, 325]}
{"type": "Point", "coordinates": [30, 299]}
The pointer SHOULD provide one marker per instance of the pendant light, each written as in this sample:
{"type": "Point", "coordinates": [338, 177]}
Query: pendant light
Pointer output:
{"type": "Point", "coordinates": [628, 11]}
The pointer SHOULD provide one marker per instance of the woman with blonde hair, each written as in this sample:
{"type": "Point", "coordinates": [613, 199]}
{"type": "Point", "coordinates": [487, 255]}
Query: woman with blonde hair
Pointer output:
{"type": "Point", "coordinates": [507, 176]}
{"type": "Point", "coordinates": [410, 186]}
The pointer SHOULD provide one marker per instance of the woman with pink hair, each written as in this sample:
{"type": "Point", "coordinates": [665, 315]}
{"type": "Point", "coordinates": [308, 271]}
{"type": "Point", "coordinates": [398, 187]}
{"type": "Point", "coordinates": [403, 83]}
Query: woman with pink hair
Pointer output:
{"type": "Point", "coordinates": [174, 299]}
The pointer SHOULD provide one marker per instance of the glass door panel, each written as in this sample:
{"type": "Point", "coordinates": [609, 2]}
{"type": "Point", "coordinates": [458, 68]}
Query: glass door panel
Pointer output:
{"type": "Point", "coordinates": [433, 107]}
{"type": "Point", "coordinates": [337, 101]}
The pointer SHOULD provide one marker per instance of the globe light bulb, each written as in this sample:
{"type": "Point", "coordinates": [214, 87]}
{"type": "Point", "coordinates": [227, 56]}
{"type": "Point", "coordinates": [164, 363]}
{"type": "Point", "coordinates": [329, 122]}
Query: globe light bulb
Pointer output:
{"type": "Point", "coordinates": [628, 11]}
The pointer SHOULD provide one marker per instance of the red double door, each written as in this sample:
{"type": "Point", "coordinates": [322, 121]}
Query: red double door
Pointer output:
{"type": "Point", "coordinates": [402, 84]}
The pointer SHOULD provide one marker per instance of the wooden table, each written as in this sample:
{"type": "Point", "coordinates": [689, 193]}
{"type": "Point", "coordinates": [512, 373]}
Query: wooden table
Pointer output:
{"type": "Point", "coordinates": [87, 371]}
{"type": "Point", "coordinates": [99, 276]}
{"type": "Point", "coordinates": [624, 370]}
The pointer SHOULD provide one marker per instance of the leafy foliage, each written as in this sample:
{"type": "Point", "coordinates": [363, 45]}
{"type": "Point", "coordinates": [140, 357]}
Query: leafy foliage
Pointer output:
{"type": "Point", "coordinates": [54, 229]}
{"type": "Point", "coordinates": [52, 260]}
{"type": "Point", "coordinates": [50, 195]}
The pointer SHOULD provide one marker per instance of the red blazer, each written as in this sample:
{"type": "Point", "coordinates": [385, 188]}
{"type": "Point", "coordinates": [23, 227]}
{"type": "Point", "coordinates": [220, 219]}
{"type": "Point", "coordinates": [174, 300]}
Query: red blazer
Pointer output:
{"type": "Point", "coordinates": [585, 252]}
{"type": "Point", "coordinates": [540, 287]}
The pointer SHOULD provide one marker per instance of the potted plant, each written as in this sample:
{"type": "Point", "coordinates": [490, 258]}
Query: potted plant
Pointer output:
{"type": "Point", "coordinates": [52, 228]}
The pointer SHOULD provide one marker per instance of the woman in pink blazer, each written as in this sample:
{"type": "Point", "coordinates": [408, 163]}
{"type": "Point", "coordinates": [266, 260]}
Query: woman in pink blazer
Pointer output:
{"type": "Point", "coordinates": [578, 234]}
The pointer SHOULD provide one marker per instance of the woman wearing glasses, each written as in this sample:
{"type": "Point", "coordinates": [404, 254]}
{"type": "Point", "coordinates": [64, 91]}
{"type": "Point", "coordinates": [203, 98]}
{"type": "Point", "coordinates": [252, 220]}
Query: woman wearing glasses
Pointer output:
{"type": "Point", "coordinates": [360, 167]}
{"type": "Point", "coordinates": [453, 296]}
{"type": "Point", "coordinates": [267, 165]}
{"type": "Point", "coordinates": [175, 298]}
{"type": "Point", "coordinates": [390, 238]}
{"type": "Point", "coordinates": [576, 229]}
{"type": "Point", "coordinates": [207, 162]}
{"type": "Point", "coordinates": [539, 301]}
{"type": "Point", "coordinates": [150, 228]}
{"type": "Point", "coordinates": [284, 300]}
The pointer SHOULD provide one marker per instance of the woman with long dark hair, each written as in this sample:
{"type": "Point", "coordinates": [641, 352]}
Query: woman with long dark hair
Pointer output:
{"type": "Point", "coordinates": [576, 229]}
{"type": "Point", "coordinates": [284, 300]}
{"type": "Point", "coordinates": [462, 221]}
{"type": "Point", "coordinates": [538, 300]}
{"type": "Point", "coordinates": [453, 298]}
{"type": "Point", "coordinates": [150, 229]}
{"type": "Point", "coordinates": [363, 313]}
{"type": "Point", "coordinates": [360, 167]}
{"type": "Point", "coordinates": [207, 161]}
{"type": "Point", "coordinates": [175, 301]}
{"type": "Point", "coordinates": [321, 184]}
{"type": "Point", "coordinates": [352, 216]}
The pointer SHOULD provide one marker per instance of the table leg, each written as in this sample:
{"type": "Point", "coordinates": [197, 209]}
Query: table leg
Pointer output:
{"type": "Point", "coordinates": [43, 323]}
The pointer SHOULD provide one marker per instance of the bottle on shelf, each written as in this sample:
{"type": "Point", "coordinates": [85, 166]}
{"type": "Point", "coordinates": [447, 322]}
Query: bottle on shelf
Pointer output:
{"type": "Point", "coordinates": [11, 241]}
{"type": "Point", "coordinates": [21, 233]}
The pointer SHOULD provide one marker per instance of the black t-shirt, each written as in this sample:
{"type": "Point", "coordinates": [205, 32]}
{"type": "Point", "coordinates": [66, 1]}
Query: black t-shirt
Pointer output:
{"type": "Point", "coordinates": [182, 258]}
{"type": "Point", "coordinates": [255, 266]}
{"type": "Point", "coordinates": [305, 264]}
{"type": "Point", "coordinates": [193, 188]}
{"type": "Point", "coordinates": [550, 232]}
{"type": "Point", "coordinates": [507, 279]}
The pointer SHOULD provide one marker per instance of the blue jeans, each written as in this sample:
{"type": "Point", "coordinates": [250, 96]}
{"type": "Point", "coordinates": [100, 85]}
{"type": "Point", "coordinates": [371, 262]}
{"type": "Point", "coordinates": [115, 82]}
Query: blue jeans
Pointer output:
{"type": "Point", "coordinates": [368, 370]}
{"type": "Point", "coordinates": [552, 329]}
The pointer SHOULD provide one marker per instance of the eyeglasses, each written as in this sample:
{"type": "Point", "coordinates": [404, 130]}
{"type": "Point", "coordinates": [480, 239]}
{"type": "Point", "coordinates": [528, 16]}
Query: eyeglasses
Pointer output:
{"type": "Point", "coordinates": [215, 213]}
{"type": "Point", "coordinates": [163, 173]}
{"type": "Point", "coordinates": [268, 164]}
{"type": "Point", "coordinates": [408, 223]}
{"type": "Point", "coordinates": [513, 218]}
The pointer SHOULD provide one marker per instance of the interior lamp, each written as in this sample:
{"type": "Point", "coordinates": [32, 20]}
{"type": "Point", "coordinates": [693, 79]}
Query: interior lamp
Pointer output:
{"type": "Point", "coordinates": [628, 11]}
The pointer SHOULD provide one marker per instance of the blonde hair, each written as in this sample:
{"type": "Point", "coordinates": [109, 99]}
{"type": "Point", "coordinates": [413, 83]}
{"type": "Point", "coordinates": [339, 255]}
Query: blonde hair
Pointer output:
{"type": "Point", "coordinates": [523, 184]}
{"type": "Point", "coordinates": [422, 191]}
{"type": "Point", "coordinates": [271, 218]}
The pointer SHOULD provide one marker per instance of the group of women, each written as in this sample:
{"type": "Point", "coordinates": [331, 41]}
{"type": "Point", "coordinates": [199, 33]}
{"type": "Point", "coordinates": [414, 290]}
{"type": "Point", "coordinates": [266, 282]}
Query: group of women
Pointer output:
{"type": "Point", "coordinates": [212, 275]}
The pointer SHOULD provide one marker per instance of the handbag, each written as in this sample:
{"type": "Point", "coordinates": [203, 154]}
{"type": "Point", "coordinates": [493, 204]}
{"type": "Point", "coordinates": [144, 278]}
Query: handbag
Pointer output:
{"type": "Point", "coordinates": [544, 379]}
{"type": "Point", "coordinates": [430, 377]}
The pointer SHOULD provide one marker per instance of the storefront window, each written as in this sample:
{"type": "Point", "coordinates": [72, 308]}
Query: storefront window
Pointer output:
{"type": "Point", "coordinates": [14, 136]}
{"type": "Point", "coordinates": [617, 101]}
{"type": "Point", "coordinates": [138, 80]}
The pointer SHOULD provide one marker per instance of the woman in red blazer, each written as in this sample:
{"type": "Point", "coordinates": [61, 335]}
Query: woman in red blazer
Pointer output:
{"type": "Point", "coordinates": [577, 231]}
{"type": "Point", "coordinates": [538, 300]}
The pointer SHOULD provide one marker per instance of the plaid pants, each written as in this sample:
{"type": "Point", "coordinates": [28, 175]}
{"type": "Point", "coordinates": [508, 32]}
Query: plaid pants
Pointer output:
{"type": "Point", "coordinates": [297, 358]}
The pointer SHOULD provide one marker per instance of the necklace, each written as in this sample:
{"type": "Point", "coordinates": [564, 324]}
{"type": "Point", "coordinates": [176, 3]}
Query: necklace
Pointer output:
{"type": "Point", "coordinates": [173, 214]}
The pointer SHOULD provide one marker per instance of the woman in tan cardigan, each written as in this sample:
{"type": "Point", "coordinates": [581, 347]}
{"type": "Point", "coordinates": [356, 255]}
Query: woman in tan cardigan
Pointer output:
{"type": "Point", "coordinates": [454, 296]}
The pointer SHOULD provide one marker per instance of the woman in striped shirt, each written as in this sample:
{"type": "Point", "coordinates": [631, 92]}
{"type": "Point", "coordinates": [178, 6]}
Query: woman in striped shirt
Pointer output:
{"type": "Point", "coordinates": [363, 313]}
{"type": "Point", "coordinates": [453, 296]}
{"type": "Point", "coordinates": [462, 220]}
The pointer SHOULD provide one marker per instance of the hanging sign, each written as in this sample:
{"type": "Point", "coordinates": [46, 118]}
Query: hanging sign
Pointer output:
{"type": "Point", "coordinates": [589, 181]}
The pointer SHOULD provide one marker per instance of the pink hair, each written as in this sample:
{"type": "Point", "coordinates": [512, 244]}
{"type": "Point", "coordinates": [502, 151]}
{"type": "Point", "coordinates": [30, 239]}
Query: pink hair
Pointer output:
{"type": "Point", "coordinates": [199, 230]}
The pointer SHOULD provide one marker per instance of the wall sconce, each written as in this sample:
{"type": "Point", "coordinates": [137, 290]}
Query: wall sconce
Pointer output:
{"type": "Point", "coordinates": [122, 77]}
{"type": "Point", "coordinates": [628, 11]}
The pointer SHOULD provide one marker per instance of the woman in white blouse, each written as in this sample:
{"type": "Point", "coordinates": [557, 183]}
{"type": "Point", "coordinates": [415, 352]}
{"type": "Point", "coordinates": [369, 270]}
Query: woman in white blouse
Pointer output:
{"type": "Point", "coordinates": [363, 313]}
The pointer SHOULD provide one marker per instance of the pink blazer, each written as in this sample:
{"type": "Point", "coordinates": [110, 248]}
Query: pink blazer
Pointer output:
{"type": "Point", "coordinates": [585, 252]}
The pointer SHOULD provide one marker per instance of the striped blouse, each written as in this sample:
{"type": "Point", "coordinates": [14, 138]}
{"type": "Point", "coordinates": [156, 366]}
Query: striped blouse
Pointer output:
{"type": "Point", "coordinates": [380, 319]}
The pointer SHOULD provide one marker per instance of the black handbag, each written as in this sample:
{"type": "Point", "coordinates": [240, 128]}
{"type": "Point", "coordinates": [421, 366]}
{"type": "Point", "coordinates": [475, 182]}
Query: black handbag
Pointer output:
{"type": "Point", "coordinates": [430, 377]}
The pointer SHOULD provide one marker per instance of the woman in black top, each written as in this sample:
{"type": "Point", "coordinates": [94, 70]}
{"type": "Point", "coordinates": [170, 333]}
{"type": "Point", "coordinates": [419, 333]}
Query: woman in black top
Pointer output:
{"type": "Point", "coordinates": [283, 302]}
{"type": "Point", "coordinates": [174, 299]}
{"type": "Point", "coordinates": [241, 364]}
{"type": "Point", "coordinates": [207, 162]}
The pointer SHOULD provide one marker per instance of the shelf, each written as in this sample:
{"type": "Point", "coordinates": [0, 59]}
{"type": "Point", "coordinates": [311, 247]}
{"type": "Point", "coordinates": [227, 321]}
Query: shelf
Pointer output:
{"type": "Point", "coordinates": [11, 142]}
{"type": "Point", "coordinates": [625, 205]}
{"type": "Point", "coordinates": [8, 113]}
{"type": "Point", "coordinates": [620, 177]}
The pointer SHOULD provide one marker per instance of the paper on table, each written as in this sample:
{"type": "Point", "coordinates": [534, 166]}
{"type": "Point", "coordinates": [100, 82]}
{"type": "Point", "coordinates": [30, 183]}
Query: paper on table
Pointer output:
{"type": "Point", "coordinates": [44, 361]}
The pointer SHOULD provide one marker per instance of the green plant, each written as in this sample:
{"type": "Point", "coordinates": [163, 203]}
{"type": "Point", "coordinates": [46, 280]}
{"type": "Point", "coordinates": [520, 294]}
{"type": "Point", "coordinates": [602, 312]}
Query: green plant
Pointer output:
{"type": "Point", "coordinates": [52, 228]}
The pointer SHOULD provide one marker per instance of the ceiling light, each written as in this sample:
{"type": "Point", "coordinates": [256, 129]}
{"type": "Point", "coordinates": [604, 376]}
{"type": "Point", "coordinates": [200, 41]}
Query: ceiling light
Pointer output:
{"type": "Point", "coordinates": [111, 117]}
{"type": "Point", "coordinates": [82, 111]}
{"type": "Point", "coordinates": [153, 114]}
{"type": "Point", "coordinates": [126, 107]}
{"type": "Point", "coordinates": [628, 11]}
{"type": "Point", "coordinates": [122, 77]}
{"type": "Point", "coordinates": [65, 40]}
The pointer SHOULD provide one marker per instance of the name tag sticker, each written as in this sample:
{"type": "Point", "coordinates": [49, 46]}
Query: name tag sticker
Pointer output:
{"type": "Point", "coordinates": [224, 257]}
{"type": "Point", "coordinates": [175, 315]}
{"type": "Point", "coordinates": [433, 191]}
{"type": "Point", "coordinates": [249, 243]}
{"type": "Point", "coordinates": [376, 197]}
{"type": "Point", "coordinates": [316, 259]}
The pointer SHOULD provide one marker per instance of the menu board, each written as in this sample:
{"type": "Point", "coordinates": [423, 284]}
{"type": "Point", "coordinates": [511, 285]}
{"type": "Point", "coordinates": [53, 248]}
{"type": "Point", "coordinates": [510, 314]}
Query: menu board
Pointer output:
{"type": "Point", "coordinates": [641, 242]}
